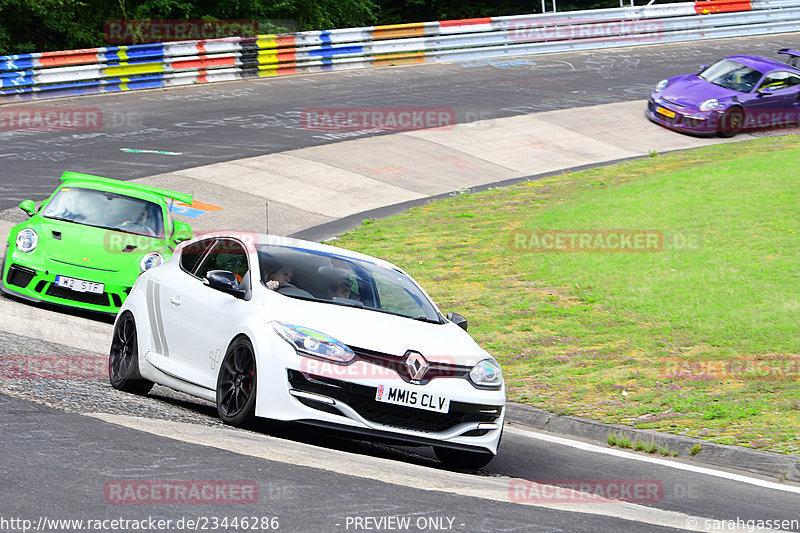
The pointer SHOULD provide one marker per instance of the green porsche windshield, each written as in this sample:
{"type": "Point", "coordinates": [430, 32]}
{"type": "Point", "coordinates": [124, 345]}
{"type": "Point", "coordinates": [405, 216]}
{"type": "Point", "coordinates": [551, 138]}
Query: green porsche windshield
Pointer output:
{"type": "Point", "coordinates": [107, 210]}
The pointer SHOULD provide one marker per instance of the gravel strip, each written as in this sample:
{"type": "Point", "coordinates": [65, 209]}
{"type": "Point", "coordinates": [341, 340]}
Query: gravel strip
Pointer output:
{"type": "Point", "coordinates": [91, 395]}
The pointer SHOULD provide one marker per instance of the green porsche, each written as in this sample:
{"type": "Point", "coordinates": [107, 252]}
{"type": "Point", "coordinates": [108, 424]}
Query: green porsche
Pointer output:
{"type": "Point", "coordinates": [85, 246]}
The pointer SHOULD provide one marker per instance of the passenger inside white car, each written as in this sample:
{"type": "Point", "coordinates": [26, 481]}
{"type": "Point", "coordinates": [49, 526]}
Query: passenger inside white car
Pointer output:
{"type": "Point", "coordinates": [282, 275]}
{"type": "Point", "coordinates": [329, 278]}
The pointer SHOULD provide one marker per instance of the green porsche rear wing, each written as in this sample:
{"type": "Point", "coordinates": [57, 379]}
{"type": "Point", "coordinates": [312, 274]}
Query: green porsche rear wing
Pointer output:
{"type": "Point", "coordinates": [185, 198]}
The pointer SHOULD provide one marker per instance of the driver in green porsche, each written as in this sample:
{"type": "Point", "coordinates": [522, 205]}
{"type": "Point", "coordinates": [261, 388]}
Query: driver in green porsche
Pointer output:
{"type": "Point", "coordinates": [86, 245]}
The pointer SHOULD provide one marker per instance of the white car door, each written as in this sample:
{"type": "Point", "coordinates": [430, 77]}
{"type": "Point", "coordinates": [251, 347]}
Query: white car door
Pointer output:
{"type": "Point", "coordinates": [197, 318]}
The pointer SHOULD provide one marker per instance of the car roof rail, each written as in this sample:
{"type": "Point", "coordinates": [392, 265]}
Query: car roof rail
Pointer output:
{"type": "Point", "coordinates": [181, 197]}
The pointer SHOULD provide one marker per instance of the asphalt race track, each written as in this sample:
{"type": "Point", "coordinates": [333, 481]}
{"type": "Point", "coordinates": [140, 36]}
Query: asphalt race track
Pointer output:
{"type": "Point", "coordinates": [65, 442]}
{"type": "Point", "coordinates": [223, 122]}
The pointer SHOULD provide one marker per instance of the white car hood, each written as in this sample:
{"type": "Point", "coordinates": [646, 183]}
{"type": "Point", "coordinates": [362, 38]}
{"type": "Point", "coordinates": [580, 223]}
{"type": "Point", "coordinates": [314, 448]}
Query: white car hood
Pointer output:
{"type": "Point", "coordinates": [380, 332]}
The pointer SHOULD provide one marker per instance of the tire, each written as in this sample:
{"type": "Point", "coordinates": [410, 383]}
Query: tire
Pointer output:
{"type": "Point", "coordinates": [123, 358]}
{"type": "Point", "coordinates": [236, 384]}
{"type": "Point", "coordinates": [730, 123]}
{"type": "Point", "coordinates": [461, 459]}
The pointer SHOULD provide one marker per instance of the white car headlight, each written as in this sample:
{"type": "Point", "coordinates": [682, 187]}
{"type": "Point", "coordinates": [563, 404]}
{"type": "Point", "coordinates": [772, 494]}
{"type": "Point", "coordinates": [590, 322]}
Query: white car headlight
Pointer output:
{"type": "Point", "coordinates": [709, 105]}
{"type": "Point", "coordinates": [307, 341]}
{"type": "Point", "coordinates": [151, 260]}
{"type": "Point", "coordinates": [487, 373]}
{"type": "Point", "coordinates": [660, 86]}
{"type": "Point", "coordinates": [27, 240]}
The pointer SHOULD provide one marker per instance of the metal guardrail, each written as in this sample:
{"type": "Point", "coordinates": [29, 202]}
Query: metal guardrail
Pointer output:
{"type": "Point", "coordinates": [27, 77]}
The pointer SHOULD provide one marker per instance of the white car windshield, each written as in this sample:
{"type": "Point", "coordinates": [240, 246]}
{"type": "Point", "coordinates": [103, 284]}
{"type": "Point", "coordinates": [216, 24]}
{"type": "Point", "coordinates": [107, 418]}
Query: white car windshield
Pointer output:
{"type": "Point", "coordinates": [732, 75]}
{"type": "Point", "coordinates": [107, 210]}
{"type": "Point", "coordinates": [330, 278]}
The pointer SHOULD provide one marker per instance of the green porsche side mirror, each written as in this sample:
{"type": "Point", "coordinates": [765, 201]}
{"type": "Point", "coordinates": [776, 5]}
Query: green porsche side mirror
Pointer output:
{"type": "Point", "coordinates": [29, 206]}
{"type": "Point", "coordinates": [183, 231]}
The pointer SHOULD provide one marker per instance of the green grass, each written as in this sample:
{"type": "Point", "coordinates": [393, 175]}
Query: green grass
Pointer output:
{"type": "Point", "coordinates": [701, 338]}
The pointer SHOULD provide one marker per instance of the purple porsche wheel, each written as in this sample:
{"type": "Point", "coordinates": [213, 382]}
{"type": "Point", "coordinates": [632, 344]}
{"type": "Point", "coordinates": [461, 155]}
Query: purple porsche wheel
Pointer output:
{"type": "Point", "coordinates": [731, 122]}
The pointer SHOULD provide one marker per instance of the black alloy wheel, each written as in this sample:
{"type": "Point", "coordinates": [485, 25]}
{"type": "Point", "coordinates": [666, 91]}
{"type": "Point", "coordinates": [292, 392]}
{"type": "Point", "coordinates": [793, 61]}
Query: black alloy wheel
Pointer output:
{"type": "Point", "coordinates": [236, 384]}
{"type": "Point", "coordinates": [123, 358]}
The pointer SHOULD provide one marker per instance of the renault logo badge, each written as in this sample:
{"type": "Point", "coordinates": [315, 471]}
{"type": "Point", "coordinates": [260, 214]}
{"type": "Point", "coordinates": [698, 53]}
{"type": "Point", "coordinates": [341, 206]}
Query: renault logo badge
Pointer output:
{"type": "Point", "coordinates": [416, 365]}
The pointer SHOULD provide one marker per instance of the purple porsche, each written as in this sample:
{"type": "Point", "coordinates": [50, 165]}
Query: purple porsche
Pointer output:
{"type": "Point", "coordinates": [734, 94]}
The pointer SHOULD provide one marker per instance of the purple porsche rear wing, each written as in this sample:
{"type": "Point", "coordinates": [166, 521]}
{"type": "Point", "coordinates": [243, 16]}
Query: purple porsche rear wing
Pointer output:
{"type": "Point", "coordinates": [794, 56]}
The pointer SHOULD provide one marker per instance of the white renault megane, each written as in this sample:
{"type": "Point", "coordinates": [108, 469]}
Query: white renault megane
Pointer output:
{"type": "Point", "coordinates": [292, 330]}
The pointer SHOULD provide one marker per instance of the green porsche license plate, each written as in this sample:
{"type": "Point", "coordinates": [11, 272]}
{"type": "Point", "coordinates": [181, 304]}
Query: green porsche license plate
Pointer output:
{"type": "Point", "coordinates": [79, 285]}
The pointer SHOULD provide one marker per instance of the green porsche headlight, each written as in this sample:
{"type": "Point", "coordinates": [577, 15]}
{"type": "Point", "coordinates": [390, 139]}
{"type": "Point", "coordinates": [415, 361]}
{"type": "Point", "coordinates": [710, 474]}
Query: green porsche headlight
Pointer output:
{"type": "Point", "coordinates": [151, 260]}
{"type": "Point", "coordinates": [27, 240]}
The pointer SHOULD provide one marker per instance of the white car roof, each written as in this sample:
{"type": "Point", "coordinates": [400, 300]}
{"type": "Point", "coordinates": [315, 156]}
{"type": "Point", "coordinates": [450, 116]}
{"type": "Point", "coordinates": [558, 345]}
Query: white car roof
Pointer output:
{"type": "Point", "coordinates": [289, 242]}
